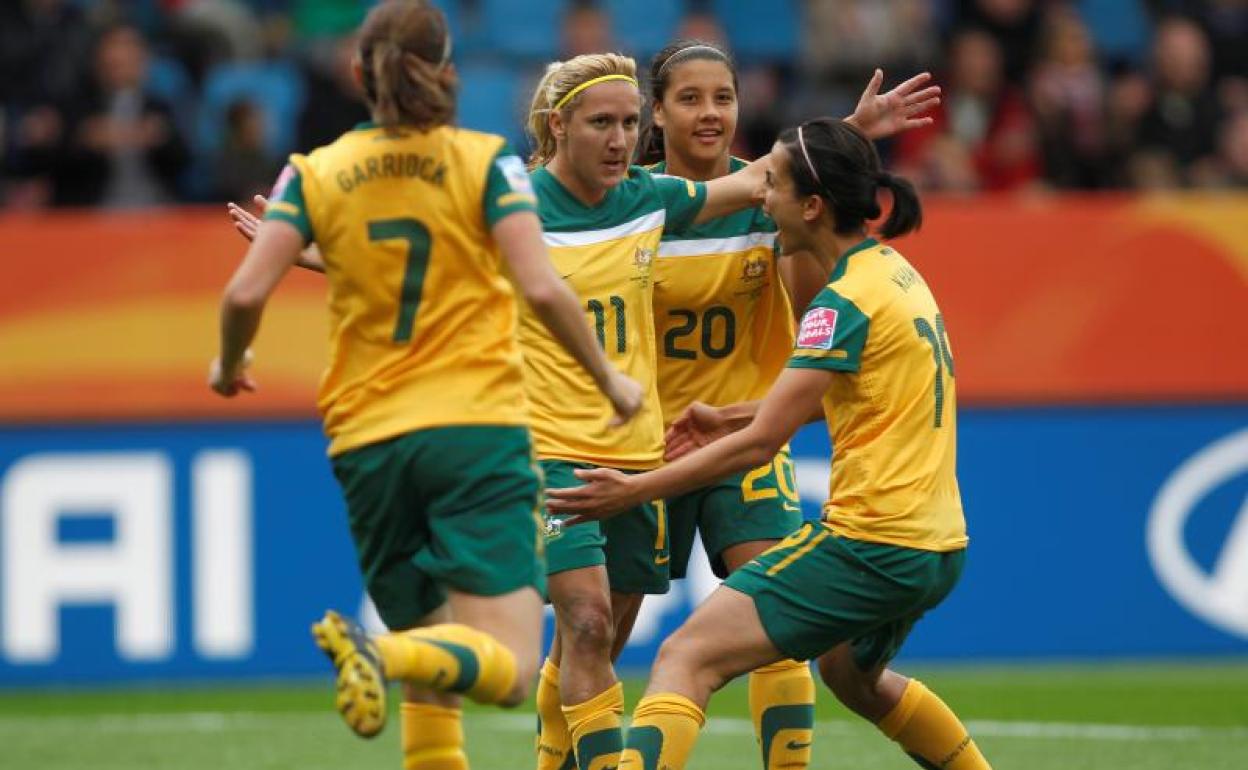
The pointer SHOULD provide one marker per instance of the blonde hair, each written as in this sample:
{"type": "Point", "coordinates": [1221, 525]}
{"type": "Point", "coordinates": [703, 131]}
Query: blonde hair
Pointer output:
{"type": "Point", "coordinates": [561, 79]}
{"type": "Point", "coordinates": [405, 47]}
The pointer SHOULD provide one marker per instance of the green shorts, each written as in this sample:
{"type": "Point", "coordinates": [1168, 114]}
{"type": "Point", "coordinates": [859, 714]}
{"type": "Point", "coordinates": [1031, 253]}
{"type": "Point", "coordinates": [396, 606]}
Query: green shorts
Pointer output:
{"type": "Point", "coordinates": [632, 545]}
{"type": "Point", "coordinates": [817, 589]}
{"type": "Point", "coordinates": [440, 508]}
{"type": "Point", "coordinates": [760, 504]}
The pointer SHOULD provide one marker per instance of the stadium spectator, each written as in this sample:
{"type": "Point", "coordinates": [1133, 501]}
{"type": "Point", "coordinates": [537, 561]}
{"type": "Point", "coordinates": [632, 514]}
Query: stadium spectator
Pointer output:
{"type": "Point", "coordinates": [243, 167]}
{"type": "Point", "coordinates": [1176, 140]}
{"type": "Point", "coordinates": [121, 147]}
{"type": "Point", "coordinates": [1068, 96]}
{"type": "Point", "coordinates": [983, 135]}
{"type": "Point", "coordinates": [586, 29]}
{"type": "Point", "coordinates": [334, 102]}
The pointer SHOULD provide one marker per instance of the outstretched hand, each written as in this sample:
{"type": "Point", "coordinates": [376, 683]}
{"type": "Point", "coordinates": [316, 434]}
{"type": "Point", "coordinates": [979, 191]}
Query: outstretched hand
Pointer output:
{"type": "Point", "coordinates": [606, 492]}
{"type": "Point", "coordinates": [245, 222]}
{"type": "Point", "coordinates": [901, 109]}
{"type": "Point", "coordinates": [698, 426]}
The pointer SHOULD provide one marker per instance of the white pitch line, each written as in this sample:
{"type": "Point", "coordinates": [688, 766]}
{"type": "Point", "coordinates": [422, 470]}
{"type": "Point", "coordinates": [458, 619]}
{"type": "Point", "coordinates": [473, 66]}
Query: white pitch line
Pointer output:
{"type": "Point", "coordinates": [223, 721]}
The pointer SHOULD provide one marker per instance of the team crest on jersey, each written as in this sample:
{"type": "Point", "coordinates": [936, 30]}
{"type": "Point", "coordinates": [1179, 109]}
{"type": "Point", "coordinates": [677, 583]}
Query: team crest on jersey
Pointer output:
{"type": "Point", "coordinates": [643, 257]}
{"type": "Point", "coordinates": [753, 269]}
{"type": "Point", "coordinates": [818, 329]}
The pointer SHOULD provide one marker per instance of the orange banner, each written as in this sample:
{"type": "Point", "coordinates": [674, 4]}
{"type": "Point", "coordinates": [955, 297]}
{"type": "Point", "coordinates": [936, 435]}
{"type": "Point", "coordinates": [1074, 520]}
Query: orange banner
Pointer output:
{"type": "Point", "coordinates": [113, 316]}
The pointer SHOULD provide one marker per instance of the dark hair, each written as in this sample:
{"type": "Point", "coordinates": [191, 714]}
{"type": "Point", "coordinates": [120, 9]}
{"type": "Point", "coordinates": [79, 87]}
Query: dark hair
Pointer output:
{"type": "Point", "coordinates": [832, 159]}
{"type": "Point", "coordinates": [650, 146]}
{"type": "Point", "coordinates": [405, 46]}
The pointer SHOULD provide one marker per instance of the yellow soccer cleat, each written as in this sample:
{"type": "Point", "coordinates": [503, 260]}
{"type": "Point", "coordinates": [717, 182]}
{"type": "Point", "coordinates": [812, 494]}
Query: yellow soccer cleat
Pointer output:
{"type": "Point", "coordinates": [361, 697]}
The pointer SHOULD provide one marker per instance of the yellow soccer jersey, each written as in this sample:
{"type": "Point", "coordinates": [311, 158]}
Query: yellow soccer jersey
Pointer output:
{"type": "Point", "coordinates": [892, 411]}
{"type": "Point", "coordinates": [422, 319]}
{"type": "Point", "coordinates": [723, 320]}
{"type": "Point", "coordinates": [606, 254]}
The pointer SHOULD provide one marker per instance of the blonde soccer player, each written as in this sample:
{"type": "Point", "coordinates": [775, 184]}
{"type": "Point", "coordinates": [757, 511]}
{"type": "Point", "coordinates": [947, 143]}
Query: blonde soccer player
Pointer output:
{"type": "Point", "coordinates": [417, 224]}
{"type": "Point", "coordinates": [872, 350]}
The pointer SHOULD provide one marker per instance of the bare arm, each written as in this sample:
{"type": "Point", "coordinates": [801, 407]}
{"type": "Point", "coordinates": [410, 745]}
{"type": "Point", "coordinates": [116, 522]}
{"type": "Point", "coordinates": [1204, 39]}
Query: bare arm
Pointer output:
{"type": "Point", "coordinates": [519, 235]}
{"type": "Point", "coordinates": [877, 115]}
{"type": "Point", "coordinates": [606, 492]}
{"type": "Point", "coordinates": [271, 254]}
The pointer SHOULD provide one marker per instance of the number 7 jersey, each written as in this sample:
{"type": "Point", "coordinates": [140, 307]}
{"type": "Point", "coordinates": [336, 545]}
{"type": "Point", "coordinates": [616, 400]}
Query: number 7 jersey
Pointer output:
{"type": "Point", "coordinates": [892, 409]}
{"type": "Point", "coordinates": [422, 318]}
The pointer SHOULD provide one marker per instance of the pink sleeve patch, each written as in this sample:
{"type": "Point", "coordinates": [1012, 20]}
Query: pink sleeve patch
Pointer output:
{"type": "Point", "coordinates": [818, 329]}
{"type": "Point", "coordinates": [283, 179]}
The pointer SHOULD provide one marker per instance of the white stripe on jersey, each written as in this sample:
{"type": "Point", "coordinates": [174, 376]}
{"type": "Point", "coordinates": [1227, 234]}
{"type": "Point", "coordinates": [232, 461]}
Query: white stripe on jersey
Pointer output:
{"type": "Point", "coordinates": [639, 225]}
{"type": "Point", "coordinates": [696, 247]}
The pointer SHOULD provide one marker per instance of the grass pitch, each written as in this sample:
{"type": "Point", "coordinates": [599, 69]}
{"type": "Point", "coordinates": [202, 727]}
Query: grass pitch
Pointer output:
{"type": "Point", "coordinates": [1106, 717]}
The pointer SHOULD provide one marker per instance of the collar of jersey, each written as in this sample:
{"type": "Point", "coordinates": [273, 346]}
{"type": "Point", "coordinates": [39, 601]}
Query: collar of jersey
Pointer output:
{"type": "Point", "coordinates": [364, 125]}
{"type": "Point", "coordinates": [843, 262]}
{"type": "Point", "coordinates": [567, 194]}
{"type": "Point", "coordinates": [734, 164]}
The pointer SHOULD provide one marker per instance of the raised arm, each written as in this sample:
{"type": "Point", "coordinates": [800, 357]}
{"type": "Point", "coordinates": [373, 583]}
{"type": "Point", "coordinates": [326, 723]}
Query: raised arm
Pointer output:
{"type": "Point", "coordinates": [519, 235]}
{"type": "Point", "coordinates": [246, 223]}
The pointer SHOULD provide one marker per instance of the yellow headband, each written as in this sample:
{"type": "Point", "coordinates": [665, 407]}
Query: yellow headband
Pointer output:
{"type": "Point", "coordinates": [568, 96]}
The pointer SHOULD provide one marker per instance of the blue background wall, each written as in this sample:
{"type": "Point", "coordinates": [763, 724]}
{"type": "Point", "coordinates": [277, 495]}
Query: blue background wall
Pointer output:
{"type": "Point", "coordinates": [1057, 500]}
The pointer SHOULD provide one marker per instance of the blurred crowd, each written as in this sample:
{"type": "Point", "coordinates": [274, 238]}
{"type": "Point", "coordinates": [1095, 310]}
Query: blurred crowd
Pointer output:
{"type": "Point", "coordinates": [131, 103]}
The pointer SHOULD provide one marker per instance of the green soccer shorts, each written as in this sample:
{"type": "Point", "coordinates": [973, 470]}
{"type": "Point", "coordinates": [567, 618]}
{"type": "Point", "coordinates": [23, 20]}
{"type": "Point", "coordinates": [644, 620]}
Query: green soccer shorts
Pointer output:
{"type": "Point", "coordinates": [633, 545]}
{"type": "Point", "coordinates": [760, 504]}
{"type": "Point", "coordinates": [816, 589]}
{"type": "Point", "coordinates": [455, 507]}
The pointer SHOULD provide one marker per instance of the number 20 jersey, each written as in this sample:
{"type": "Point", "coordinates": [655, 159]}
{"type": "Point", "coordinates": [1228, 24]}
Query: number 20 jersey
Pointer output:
{"type": "Point", "coordinates": [892, 408]}
{"type": "Point", "coordinates": [422, 320]}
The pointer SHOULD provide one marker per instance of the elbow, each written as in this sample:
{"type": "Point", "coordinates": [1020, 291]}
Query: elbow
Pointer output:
{"type": "Point", "coordinates": [542, 296]}
{"type": "Point", "coordinates": [238, 300]}
{"type": "Point", "coordinates": [760, 449]}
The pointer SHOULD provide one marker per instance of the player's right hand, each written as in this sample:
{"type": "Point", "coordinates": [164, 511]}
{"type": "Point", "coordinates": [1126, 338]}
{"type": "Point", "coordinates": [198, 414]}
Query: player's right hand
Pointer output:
{"type": "Point", "coordinates": [245, 222]}
{"type": "Point", "coordinates": [698, 426]}
{"type": "Point", "coordinates": [626, 396]}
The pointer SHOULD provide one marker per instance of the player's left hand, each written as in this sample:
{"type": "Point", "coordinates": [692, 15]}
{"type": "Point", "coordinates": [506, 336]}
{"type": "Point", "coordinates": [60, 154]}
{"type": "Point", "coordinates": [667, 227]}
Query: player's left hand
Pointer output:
{"type": "Point", "coordinates": [901, 109]}
{"type": "Point", "coordinates": [229, 383]}
{"type": "Point", "coordinates": [606, 493]}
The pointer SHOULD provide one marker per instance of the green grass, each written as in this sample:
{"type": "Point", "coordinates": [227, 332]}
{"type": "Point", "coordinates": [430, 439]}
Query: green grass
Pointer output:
{"type": "Point", "coordinates": [1107, 717]}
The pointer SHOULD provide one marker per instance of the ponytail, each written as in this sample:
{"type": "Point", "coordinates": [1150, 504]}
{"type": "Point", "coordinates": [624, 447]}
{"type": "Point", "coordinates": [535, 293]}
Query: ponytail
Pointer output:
{"type": "Point", "coordinates": [907, 213]}
{"type": "Point", "coordinates": [405, 48]}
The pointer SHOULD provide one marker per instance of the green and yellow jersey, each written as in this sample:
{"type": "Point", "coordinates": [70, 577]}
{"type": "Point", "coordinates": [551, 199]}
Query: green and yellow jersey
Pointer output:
{"type": "Point", "coordinates": [422, 326]}
{"type": "Point", "coordinates": [892, 414]}
{"type": "Point", "coordinates": [722, 315]}
{"type": "Point", "coordinates": [606, 254]}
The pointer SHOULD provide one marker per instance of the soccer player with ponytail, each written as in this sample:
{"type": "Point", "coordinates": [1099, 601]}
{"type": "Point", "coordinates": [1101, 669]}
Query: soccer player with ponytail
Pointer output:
{"type": "Point", "coordinates": [873, 351]}
{"type": "Point", "coordinates": [418, 226]}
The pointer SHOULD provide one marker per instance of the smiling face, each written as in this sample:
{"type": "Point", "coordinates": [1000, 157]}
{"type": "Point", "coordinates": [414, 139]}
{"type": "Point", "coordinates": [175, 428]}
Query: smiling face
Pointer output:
{"type": "Point", "coordinates": [597, 136]}
{"type": "Point", "coordinates": [795, 214]}
{"type": "Point", "coordinates": [698, 112]}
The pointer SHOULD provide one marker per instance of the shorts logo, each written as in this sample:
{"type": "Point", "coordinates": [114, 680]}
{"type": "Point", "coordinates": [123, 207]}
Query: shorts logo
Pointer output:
{"type": "Point", "coordinates": [554, 529]}
{"type": "Point", "coordinates": [818, 329]}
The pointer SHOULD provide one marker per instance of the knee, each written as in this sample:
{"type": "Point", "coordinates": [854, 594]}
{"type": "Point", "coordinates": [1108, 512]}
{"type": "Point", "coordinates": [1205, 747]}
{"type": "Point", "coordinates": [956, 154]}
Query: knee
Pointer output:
{"type": "Point", "coordinates": [587, 629]}
{"type": "Point", "coordinates": [680, 653]}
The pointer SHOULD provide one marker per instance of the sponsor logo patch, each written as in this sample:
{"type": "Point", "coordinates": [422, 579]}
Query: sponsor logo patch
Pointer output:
{"type": "Point", "coordinates": [515, 174]}
{"type": "Point", "coordinates": [818, 329]}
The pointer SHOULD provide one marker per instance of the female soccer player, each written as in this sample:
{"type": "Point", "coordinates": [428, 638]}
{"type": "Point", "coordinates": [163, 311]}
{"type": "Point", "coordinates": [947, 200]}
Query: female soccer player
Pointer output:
{"type": "Point", "coordinates": [872, 349]}
{"type": "Point", "coordinates": [603, 221]}
{"type": "Point", "coordinates": [423, 400]}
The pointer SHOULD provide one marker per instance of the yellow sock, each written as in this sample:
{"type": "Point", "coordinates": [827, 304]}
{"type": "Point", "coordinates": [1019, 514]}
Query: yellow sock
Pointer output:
{"type": "Point", "coordinates": [554, 743]}
{"type": "Point", "coordinates": [930, 732]}
{"type": "Point", "coordinates": [451, 658]}
{"type": "Point", "coordinates": [662, 734]}
{"type": "Point", "coordinates": [433, 737]}
{"type": "Point", "coordinates": [594, 727]}
{"type": "Point", "coordinates": [782, 705]}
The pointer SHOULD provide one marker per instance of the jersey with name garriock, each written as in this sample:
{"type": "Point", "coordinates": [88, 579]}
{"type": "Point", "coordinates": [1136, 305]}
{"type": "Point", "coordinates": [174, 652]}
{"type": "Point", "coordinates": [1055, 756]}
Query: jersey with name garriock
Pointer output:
{"type": "Point", "coordinates": [606, 254]}
{"type": "Point", "coordinates": [423, 320]}
{"type": "Point", "coordinates": [723, 320]}
{"type": "Point", "coordinates": [892, 409]}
